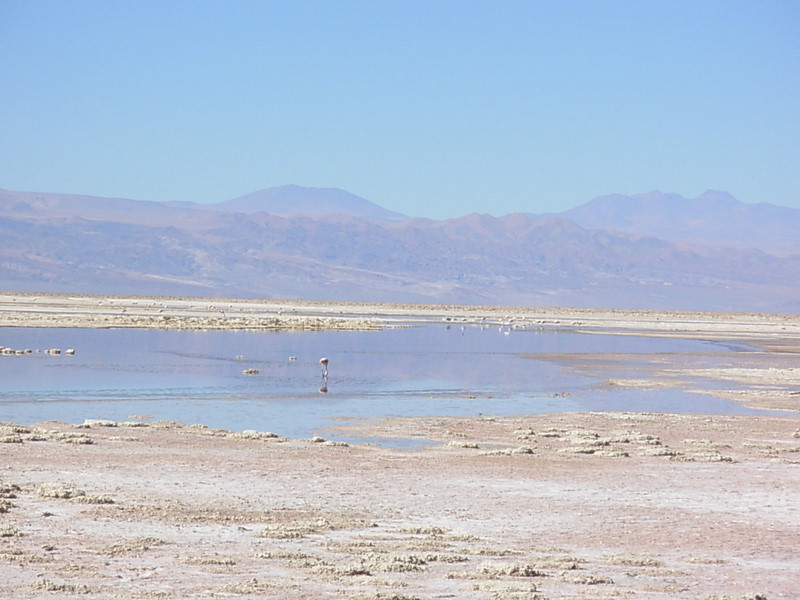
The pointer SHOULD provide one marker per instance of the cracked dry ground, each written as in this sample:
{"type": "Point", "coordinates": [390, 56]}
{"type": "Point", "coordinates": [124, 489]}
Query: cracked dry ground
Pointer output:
{"type": "Point", "coordinates": [560, 506]}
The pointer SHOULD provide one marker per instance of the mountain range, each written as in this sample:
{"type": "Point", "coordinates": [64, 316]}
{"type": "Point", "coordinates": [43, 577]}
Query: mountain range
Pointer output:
{"type": "Point", "coordinates": [654, 250]}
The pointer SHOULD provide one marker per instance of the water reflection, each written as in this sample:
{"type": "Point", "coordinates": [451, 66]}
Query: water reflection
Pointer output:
{"type": "Point", "coordinates": [197, 377]}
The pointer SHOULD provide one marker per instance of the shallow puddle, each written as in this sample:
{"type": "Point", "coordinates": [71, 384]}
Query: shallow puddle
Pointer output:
{"type": "Point", "coordinates": [197, 377]}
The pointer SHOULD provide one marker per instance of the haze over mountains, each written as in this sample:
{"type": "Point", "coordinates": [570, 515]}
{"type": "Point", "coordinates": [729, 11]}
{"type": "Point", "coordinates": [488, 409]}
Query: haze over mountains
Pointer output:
{"type": "Point", "coordinates": [654, 250]}
{"type": "Point", "coordinates": [291, 200]}
{"type": "Point", "coordinates": [713, 218]}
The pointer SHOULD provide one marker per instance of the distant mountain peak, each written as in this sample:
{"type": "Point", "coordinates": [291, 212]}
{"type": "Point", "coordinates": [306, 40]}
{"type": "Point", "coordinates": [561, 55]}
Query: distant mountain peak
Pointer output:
{"type": "Point", "coordinates": [717, 196]}
{"type": "Point", "coordinates": [294, 200]}
{"type": "Point", "coordinates": [714, 218]}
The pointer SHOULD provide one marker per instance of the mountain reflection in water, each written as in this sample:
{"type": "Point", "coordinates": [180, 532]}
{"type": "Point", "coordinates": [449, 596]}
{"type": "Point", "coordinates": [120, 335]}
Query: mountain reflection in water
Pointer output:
{"type": "Point", "coordinates": [196, 376]}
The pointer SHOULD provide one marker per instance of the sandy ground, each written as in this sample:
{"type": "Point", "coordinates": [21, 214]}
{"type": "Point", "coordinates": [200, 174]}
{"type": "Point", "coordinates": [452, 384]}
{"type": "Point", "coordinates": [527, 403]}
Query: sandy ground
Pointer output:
{"type": "Point", "coordinates": [591, 506]}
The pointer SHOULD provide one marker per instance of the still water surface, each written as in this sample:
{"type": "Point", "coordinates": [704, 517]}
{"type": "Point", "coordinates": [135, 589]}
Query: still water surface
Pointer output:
{"type": "Point", "coordinates": [196, 377]}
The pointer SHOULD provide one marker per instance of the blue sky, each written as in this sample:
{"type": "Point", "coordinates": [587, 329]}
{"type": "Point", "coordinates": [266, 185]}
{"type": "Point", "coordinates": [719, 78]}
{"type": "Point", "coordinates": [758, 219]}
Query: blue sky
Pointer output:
{"type": "Point", "coordinates": [437, 108]}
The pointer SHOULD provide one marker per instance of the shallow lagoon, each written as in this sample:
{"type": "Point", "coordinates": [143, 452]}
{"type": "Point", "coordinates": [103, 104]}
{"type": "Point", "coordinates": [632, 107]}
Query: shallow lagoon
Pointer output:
{"type": "Point", "coordinates": [196, 377]}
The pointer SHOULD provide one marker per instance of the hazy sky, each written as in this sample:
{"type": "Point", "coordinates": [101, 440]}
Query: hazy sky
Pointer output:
{"type": "Point", "coordinates": [432, 108]}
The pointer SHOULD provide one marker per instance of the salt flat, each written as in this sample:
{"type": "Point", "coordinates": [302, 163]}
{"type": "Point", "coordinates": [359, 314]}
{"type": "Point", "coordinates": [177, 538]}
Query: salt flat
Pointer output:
{"type": "Point", "coordinates": [579, 505]}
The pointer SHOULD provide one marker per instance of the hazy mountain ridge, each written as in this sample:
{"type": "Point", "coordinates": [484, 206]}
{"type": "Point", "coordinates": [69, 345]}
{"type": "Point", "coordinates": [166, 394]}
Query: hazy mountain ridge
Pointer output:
{"type": "Point", "coordinates": [713, 218]}
{"type": "Point", "coordinates": [99, 245]}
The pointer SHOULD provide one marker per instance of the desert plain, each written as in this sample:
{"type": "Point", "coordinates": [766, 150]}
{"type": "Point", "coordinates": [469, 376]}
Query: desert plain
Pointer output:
{"type": "Point", "coordinates": [594, 505]}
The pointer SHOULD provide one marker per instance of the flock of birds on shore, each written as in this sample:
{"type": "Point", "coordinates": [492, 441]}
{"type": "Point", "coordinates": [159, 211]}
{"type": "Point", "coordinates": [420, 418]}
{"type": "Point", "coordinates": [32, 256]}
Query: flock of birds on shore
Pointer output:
{"type": "Point", "coordinates": [6, 350]}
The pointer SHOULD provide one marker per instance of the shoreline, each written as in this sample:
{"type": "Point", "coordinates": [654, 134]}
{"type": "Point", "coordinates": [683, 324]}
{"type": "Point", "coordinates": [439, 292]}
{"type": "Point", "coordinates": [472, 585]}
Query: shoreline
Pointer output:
{"type": "Point", "coordinates": [768, 380]}
{"type": "Point", "coordinates": [62, 310]}
{"type": "Point", "coordinates": [555, 506]}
